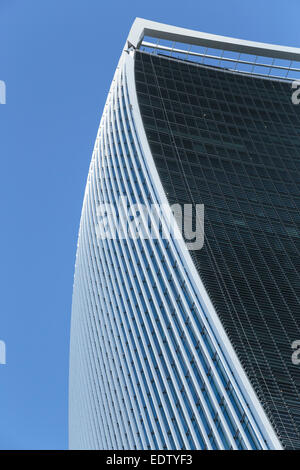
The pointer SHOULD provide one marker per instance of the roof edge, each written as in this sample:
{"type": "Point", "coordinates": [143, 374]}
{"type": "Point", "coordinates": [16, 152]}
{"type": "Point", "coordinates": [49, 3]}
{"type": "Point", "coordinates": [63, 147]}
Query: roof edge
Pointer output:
{"type": "Point", "coordinates": [142, 27]}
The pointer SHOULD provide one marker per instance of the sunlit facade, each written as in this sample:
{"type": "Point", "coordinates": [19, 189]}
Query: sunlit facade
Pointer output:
{"type": "Point", "coordinates": [178, 349]}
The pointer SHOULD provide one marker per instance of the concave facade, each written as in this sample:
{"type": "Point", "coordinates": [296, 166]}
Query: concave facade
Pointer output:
{"type": "Point", "coordinates": [178, 349]}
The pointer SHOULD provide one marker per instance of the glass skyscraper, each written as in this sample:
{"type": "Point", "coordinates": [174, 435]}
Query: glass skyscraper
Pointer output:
{"type": "Point", "coordinates": [174, 348]}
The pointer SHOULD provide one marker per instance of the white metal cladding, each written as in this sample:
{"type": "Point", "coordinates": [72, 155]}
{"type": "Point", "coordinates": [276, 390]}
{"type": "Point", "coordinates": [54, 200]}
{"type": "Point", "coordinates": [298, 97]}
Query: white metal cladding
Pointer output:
{"type": "Point", "coordinates": [150, 364]}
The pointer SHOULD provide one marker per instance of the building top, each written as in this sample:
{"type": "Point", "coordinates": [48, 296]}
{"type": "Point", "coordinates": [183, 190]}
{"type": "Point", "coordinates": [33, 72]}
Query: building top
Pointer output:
{"type": "Point", "coordinates": [261, 57]}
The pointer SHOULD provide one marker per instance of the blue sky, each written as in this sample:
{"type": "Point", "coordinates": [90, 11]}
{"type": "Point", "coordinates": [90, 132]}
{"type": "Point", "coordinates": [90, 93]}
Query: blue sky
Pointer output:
{"type": "Point", "coordinates": [57, 58]}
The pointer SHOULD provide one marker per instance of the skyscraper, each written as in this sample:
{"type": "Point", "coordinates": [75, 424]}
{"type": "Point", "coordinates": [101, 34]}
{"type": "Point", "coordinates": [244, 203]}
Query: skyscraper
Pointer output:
{"type": "Point", "coordinates": [177, 348]}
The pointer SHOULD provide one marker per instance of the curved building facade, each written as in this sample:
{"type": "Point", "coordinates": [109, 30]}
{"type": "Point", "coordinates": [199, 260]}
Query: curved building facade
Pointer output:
{"type": "Point", "coordinates": [174, 348]}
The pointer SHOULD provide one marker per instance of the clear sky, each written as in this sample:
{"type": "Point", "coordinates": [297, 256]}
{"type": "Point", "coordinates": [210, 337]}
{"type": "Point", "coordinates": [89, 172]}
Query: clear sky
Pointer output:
{"type": "Point", "coordinates": [57, 58]}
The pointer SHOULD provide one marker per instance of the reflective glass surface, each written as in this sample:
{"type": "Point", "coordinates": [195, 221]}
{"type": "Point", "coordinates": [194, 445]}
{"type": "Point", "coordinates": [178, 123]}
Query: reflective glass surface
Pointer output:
{"type": "Point", "coordinates": [232, 142]}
